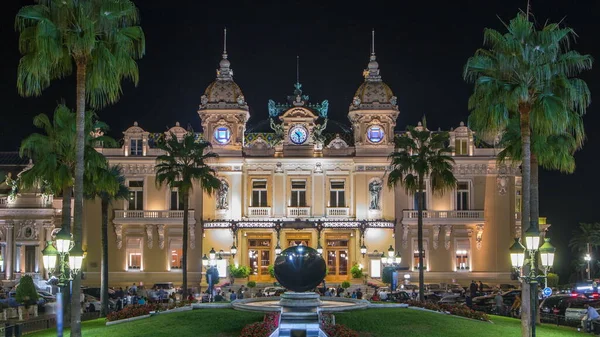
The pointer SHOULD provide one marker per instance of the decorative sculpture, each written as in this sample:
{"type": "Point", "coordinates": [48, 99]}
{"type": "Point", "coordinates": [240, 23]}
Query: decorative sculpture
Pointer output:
{"type": "Point", "coordinates": [356, 101]}
{"type": "Point", "coordinates": [192, 235]}
{"type": "Point", "coordinates": [375, 188]}
{"type": "Point", "coordinates": [222, 195]}
{"type": "Point", "coordinates": [119, 234]}
{"type": "Point", "coordinates": [278, 128]}
{"type": "Point", "coordinates": [317, 133]}
{"type": "Point", "coordinates": [436, 235]}
{"type": "Point", "coordinates": [405, 231]}
{"type": "Point", "coordinates": [150, 237]}
{"type": "Point", "coordinates": [161, 236]}
{"type": "Point", "coordinates": [447, 233]}
{"type": "Point", "coordinates": [300, 268]}
{"type": "Point", "coordinates": [479, 235]}
{"type": "Point", "coordinates": [323, 109]}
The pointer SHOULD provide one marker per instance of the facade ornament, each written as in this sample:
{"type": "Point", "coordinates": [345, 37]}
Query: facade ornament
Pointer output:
{"type": "Point", "coordinates": [278, 167]}
{"type": "Point", "coordinates": [337, 143]}
{"type": "Point", "coordinates": [447, 234]}
{"type": "Point", "coordinates": [119, 234]}
{"type": "Point", "coordinates": [317, 133]}
{"type": "Point", "coordinates": [394, 100]}
{"type": "Point", "coordinates": [161, 236]}
{"type": "Point", "coordinates": [356, 101]}
{"type": "Point", "coordinates": [375, 188]}
{"type": "Point", "coordinates": [241, 100]}
{"type": "Point", "coordinates": [222, 196]}
{"type": "Point", "coordinates": [502, 180]}
{"type": "Point", "coordinates": [204, 99]}
{"type": "Point", "coordinates": [28, 230]}
{"type": "Point", "coordinates": [192, 235]}
{"type": "Point", "coordinates": [479, 235]}
{"type": "Point", "coordinates": [150, 236]}
{"type": "Point", "coordinates": [318, 168]}
{"type": "Point", "coordinates": [405, 231]}
{"type": "Point", "coordinates": [436, 236]}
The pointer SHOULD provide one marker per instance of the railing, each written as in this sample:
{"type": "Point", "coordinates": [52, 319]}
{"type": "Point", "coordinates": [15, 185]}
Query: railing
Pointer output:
{"type": "Point", "coordinates": [259, 212]}
{"type": "Point", "coordinates": [338, 211]}
{"type": "Point", "coordinates": [412, 214]}
{"type": "Point", "coordinates": [132, 214]}
{"type": "Point", "coordinates": [293, 212]}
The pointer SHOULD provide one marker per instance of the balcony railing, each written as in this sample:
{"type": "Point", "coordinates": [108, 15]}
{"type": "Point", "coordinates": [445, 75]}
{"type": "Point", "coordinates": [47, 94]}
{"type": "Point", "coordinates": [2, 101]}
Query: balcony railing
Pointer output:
{"type": "Point", "coordinates": [298, 212]}
{"type": "Point", "coordinates": [152, 217]}
{"type": "Point", "coordinates": [444, 216]}
{"type": "Point", "coordinates": [342, 212]}
{"type": "Point", "coordinates": [259, 212]}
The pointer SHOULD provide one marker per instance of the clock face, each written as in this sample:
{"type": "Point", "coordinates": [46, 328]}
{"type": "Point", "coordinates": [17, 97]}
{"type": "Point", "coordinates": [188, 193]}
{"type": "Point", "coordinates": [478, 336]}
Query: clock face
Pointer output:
{"type": "Point", "coordinates": [298, 134]}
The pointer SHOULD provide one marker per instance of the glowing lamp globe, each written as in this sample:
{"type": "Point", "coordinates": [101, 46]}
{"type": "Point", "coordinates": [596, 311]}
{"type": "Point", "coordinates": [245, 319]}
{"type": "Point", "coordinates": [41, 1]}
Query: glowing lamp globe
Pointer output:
{"type": "Point", "coordinates": [547, 251]}
{"type": "Point", "coordinates": [49, 255]}
{"type": "Point", "coordinates": [532, 237]}
{"type": "Point", "coordinates": [517, 254]}
{"type": "Point", "coordinates": [76, 259]}
{"type": "Point", "coordinates": [63, 241]}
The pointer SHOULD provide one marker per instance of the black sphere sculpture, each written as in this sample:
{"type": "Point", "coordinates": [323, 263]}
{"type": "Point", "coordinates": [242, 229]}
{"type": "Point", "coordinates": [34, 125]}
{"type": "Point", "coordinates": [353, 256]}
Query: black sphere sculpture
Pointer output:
{"type": "Point", "coordinates": [300, 268]}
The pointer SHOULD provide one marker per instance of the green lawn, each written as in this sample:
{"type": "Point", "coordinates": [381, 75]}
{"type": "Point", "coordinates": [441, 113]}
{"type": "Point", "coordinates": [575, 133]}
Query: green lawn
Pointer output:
{"type": "Point", "coordinates": [391, 322]}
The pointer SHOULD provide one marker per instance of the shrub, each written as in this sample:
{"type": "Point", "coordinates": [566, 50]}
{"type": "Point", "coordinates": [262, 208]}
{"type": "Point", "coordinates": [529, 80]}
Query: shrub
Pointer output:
{"type": "Point", "coordinates": [271, 270]}
{"type": "Point", "coordinates": [135, 311]}
{"type": "Point", "coordinates": [26, 293]}
{"type": "Point", "coordinates": [239, 272]}
{"type": "Point", "coordinates": [251, 284]}
{"type": "Point", "coordinates": [345, 285]}
{"type": "Point", "coordinates": [339, 330]}
{"type": "Point", "coordinates": [356, 271]}
{"type": "Point", "coordinates": [457, 310]}
{"type": "Point", "coordinates": [552, 280]}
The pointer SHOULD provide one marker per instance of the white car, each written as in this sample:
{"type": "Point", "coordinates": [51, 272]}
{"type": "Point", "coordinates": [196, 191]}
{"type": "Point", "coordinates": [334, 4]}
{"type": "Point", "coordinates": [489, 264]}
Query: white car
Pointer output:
{"type": "Point", "coordinates": [272, 291]}
{"type": "Point", "coordinates": [166, 286]}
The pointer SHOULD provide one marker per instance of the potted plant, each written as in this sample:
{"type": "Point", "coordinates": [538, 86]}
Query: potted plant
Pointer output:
{"type": "Point", "coordinates": [345, 285]}
{"type": "Point", "coordinates": [251, 285]}
{"type": "Point", "coordinates": [27, 296]}
{"type": "Point", "coordinates": [238, 273]}
{"type": "Point", "coordinates": [271, 270]}
{"type": "Point", "coordinates": [356, 271]}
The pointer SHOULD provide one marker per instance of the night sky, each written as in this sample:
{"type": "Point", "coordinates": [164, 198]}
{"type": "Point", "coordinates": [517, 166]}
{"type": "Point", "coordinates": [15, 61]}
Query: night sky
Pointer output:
{"type": "Point", "coordinates": [421, 47]}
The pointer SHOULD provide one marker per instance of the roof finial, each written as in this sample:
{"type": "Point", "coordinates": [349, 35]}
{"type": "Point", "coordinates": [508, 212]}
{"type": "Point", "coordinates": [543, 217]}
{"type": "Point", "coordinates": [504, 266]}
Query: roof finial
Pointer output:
{"type": "Point", "coordinates": [297, 68]}
{"type": "Point", "coordinates": [373, 42]}
{"type": "Point", "coordinates": [225, 42]}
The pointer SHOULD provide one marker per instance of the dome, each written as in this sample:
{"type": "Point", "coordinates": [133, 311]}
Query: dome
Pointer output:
{"type": "Point", "coordinates": [223, 92]}
{"type": "Point", "coordinates": [374, 92]}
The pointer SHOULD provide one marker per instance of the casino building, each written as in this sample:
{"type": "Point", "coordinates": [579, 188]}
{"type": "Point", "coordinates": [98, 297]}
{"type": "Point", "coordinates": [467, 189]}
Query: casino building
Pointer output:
{"type": "Point", "coordinates": [297, 184]}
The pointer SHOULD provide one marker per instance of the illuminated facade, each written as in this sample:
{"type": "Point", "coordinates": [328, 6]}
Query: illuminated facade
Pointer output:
{"type": "Point", "coordinates": [299, 184]}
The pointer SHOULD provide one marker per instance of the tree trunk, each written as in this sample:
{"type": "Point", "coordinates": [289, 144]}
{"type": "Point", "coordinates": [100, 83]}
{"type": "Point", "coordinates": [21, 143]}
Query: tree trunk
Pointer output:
{"type": "Point", "coordinates": [535, 215]}
{"type": "Point", "coordinates": [78, 212]}
{"type": "Point", "coordinates": [524, 110]}
{"type": "Point", "coordinates": [420, 204]}
{"type": "Point", "coordinates": [104, 266]}
{"type": "Point", "coordinates": [67, 192]}
{"type": "Point", "coordinates": [184, 259]}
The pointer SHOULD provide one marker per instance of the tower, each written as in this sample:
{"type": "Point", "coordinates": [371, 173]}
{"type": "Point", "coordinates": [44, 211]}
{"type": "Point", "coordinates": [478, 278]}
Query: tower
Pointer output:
{"type": "Point", "coordinates": [224, 111]}
{"type": "Point", "coordinates": [373, 112]}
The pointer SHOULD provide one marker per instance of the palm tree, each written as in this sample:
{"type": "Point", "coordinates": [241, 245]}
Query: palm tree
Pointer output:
{"type": "Point", "coordinates": [528, 74]}
{"type": "Point", "coordinates": [108, 184]}
{"type": "Point", "coordinates": [587, 236]}
{"type": "Point", "coordinates": [186, 161]}
{"type": "Point", "coordinates": [53, 155]}
{"type": "Point", "coordinates": [420, 154]}
{"type": "Point", "coordinates": [102, 40]}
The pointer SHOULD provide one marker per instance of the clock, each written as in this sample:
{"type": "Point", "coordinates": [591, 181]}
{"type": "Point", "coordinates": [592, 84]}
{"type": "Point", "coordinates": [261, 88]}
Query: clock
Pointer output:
{"type": "Point", "coordinates": [222, 135]}
{"type": "Point", "coordinates": [298, 134]}
{"type": "Point", "coordinates": [375, 134]}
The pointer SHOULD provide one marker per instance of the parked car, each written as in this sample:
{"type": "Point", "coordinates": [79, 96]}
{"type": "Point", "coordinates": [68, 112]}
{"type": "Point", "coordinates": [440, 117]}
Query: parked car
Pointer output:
{"type": "Point", "coordinates": [507, 287]}
{"type": "Point", "coordinates": [92, 303]}
{"type": "Point", "coordinates": [96, 292]}
{"type": "Point", "coordinates": [47, 296]}
{"type": "Point", "coordinates": [166, 286]}
{"type": "Point", "coordinates": [561, 302]}
{"type": "Point", "coordinates": [452, 299]}
{"type": "Point", "coordinates": [273, 291]}
{"type": "Point", "coordinates": [485, 304]}
{"type": "Point", "coordinates": [577, 310]}
{"type": "Point", "coordinates": [399, 296]}
{"type": "Point", "coordinates": [509, 297]}
{"type": "Point", "coordinates": [455, 288]}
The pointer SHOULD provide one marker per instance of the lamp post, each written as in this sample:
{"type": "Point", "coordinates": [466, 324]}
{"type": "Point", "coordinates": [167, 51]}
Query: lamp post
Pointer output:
{"type": "Point", "coordinates": [210, 264]}
{"type": "Point", "coordinates": [69, 264]}
{"type": "Point", "coordinates": [588, 259]}
{"type": "Point", "coordinates": [392, 260]}
{"type": "Point", "coordinates": [517, 257]}
{"type": "Point", "coordinates": [547, 251]}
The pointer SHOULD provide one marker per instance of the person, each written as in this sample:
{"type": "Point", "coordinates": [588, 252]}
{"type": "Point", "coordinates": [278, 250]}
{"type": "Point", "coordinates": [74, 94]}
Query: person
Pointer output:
{"type": "Point", "coordinates": [414, 294]}
{"type": "Point", "coordinates": [133, 289]}
{"type": "Point", "coordinates": [383, 295]}
{"type": "Point", "coordinates": [191, 298]}
{"type": "Point", "coordinates": [590, 317]}
{"type": "Point", "coordinates": [218, 297]}
{"type": "Point", "coordinates": [375, 297]}
{"type": "Point", "coordinates": [340, 290]}
{"type": "Point", "coordinates": [232, 295]}
{"type": "Point", "coordinates": [353, 294]}
{"type": "Point", "coordinates": [516, 307]}
{"type": "Point", "coordinates": [259, 293]}
{"type": "Point", "coordinates": [327, 292]}
{"type": "Point", "coordinates": [240, 294]}
{"type": "Point", "coordinates": [480, 287]}
{"type": "Point", "coordinates": [473, 289]}
{"type": "Point", "coordinates": [142, 300]}
{"type": "Point", "coordinates": [499, 301]}
{"type": "Point", "coordinates": [359, 294]}
{"type": "Point", "coordinates": [469, 302]}
{"type": "Point", "coordinates": [119, 304]}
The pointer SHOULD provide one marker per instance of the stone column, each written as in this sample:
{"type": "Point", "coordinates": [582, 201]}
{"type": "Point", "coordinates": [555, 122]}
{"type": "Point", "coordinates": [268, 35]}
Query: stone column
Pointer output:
{"type": "Point", "coordinates": [10, 248]}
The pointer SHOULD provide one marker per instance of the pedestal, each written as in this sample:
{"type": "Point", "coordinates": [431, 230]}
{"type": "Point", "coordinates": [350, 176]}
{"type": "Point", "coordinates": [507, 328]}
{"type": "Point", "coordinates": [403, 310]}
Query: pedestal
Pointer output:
{"type": "Point", "coordinates": [299, 313]}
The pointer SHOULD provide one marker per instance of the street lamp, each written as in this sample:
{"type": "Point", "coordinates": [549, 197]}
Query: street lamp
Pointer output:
{"type": "Point", "coordinates": [212, 254]}
{"type": "Point", "coordinates": [277, 249]}
{"type": "Point", "coordinates": [363, 250]}
{"type": "Point", "coordinates": [70, 261]}
{"type": "Point", "coordinates": [233, 250]}
{"type": "Point", "coordinates": [517, 257]}
{"type": "Point", "coordinates": [319, 248]}
{"type": "Point", "coordinates": [205, 261]}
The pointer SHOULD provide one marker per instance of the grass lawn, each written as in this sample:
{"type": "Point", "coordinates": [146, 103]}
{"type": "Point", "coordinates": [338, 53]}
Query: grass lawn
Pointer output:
{"type": "Point", "coordinates": [390, 322]}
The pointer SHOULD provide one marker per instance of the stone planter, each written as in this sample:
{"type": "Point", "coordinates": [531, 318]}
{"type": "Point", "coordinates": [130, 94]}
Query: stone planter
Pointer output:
{"type": "Point", "coordinates": [3, 315]}
{"type": "Point", "coordinates": [10, 313]}
{"type": "Point", "coordinates": [33, 311]}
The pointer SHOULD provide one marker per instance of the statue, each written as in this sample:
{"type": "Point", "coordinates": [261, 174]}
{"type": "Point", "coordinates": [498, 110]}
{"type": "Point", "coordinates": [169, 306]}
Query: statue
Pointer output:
{"type": "Point", "coordinates": [394, 100]}
{"type": "Point", "coordinates": [14, 186]}
{"type": "Point", "coordinates": [241, 100]}
{"type": "Point", "coordinates": [375, 188]}
{"type": "Point", "coordinates": [273, 109]}
{"type": "Point", "coordinates": [317, 133]}
{"type": "Point", "coordinates": [278, 128]}
{"type": "Point", "coordinates": [356, 101]}
{"type": "Point", "coordinates": [323, 109]}
{"type": "Point", "coordinates": [222, 193]}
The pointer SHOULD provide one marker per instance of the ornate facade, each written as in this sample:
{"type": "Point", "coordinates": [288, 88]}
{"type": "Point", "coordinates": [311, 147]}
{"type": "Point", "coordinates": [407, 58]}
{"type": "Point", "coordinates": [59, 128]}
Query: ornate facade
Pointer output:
{"type": "Point", "coordinates": [295, 185]}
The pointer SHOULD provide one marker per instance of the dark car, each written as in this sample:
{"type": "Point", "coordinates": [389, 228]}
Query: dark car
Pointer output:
{"type": "Point", "coordinates": [509, 297]}
{"type": "Point", "coordinates": [485, 304]}
{"type": "Point", "coordinates": [399, 296]}
{"type": "Point", "coordinates": [560, 302]}
{"type": "Point", "coordinates": [96, 292]}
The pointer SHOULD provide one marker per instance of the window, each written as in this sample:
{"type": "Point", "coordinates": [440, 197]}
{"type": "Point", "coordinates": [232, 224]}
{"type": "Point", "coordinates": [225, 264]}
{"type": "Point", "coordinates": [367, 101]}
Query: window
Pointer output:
{"type": "Point", "coordinates": [222, 134]}
{"type": "Point", "coordinates": [337, 196]}
{"type": "Point", "coordinates": [136, 195]}
{"type": "Point", "coordinates": [176, 203]}
{"type": "Point", "coordinates": [298, 198]}
{"type": "Point", "coordinates": [462, 255]}
{"type": "Point", "coordinates": [134, 253]}
{"type": "Point", "coordinates": [259, 193]}
{"type": "Point", "coordinates": [30, 257]}
{"type": "Point", "coordinates": [176, 249]}
{"type": "Point", "coordinates": [460, 147]}
{"type": "Point", "coordinates": [135, 148]}
{"type": "Point", "coordinates": [462, 196]}
{"type": "Point", "coordinates": [259, 253]}
{"type": "Point", "coordinates": [375, 268]}
{"type": "Point", "coordinates": [416, 200]}
{"type": "Point", "coordinates": [375, 134]}
{"type": "Point", "coordinates": [416, 255]}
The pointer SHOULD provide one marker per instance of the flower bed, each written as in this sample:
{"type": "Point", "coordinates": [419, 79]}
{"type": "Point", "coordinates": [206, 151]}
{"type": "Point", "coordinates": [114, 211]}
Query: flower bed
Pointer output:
{"type": "Point", "coordinates": [327, 323]}
{"type": "Point", "coordinates": [262, 329]}
{"type": "Point", "coordinates": [457, 310]}
{"type": "Point", "coordinates": [142, 310]}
